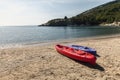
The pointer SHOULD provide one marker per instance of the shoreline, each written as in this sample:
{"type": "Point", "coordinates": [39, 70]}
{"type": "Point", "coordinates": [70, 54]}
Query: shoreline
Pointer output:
{"type": "Point", "coordinates": [49, 42]}
{"type": "Point", "coordinates": [43, 62]}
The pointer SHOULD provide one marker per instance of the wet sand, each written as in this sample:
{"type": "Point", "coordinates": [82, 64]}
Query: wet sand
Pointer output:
{"type": "Point", "coordinates": [36, 62]}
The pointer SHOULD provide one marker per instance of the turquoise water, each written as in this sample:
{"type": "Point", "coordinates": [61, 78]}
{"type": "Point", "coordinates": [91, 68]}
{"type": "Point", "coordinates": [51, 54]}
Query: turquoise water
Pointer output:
{"type": "Point", "coordinates": [31, 34]}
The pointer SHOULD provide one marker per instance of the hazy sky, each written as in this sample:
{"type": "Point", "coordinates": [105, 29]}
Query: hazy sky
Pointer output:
{"type": "Point", "coordinates": [34, 12]}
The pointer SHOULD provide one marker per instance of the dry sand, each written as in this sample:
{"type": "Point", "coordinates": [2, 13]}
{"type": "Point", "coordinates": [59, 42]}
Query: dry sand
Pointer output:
{"type": "Point", "coordinates": [44, 63]}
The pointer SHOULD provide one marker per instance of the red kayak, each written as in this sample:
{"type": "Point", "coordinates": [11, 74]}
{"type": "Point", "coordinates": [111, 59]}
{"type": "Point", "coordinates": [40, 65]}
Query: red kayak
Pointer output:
{"type": "Point", "coordinates": [76, 54]}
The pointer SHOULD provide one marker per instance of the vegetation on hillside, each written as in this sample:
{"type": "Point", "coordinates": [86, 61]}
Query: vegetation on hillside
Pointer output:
{"type": "Point", "coordinates": [58, 22]}
{"type": "Point", "coordinates": [106, 13]}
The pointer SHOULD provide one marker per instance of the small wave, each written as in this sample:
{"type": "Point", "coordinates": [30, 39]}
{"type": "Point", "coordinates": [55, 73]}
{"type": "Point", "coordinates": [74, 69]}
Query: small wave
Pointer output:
{"type": "Point", "coordinates": [6, 46]}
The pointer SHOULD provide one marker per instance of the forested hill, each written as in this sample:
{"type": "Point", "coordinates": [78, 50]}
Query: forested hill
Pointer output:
{"type": "Point", "coordinates": [106, 13]}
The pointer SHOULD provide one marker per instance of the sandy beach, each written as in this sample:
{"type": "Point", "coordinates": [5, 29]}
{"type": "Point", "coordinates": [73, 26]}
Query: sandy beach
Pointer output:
{"type": "Point", "coordinates": [44, 63]}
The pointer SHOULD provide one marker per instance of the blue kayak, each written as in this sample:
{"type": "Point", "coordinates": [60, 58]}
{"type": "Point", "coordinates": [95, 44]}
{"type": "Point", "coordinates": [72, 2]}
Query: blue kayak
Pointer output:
{"type": "Point", "coordinates": [84, 48]}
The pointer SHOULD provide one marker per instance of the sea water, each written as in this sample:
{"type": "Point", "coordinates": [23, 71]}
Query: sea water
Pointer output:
{"type": "Point", "coordinates": [34, 34]}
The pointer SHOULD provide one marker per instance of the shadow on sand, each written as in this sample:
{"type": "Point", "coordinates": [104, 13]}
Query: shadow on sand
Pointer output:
{"type": "Point", "coordinates": [97, 55]}
{"type": "Point", "coordinates": [96, 66]}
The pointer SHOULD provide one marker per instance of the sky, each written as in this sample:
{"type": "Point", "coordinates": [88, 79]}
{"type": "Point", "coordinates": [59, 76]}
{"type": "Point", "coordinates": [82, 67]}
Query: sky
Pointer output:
{"type": "Point", "coordinates": [35, 12]}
